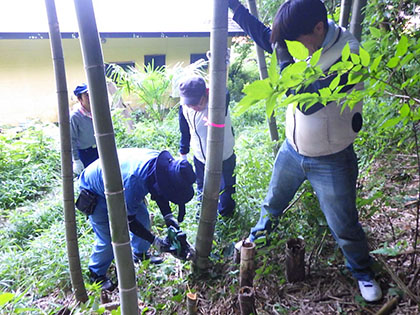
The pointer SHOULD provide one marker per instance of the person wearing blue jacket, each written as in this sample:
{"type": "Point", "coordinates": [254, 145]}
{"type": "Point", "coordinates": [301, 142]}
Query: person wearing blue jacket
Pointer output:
{"type": "Point", "coordinates": [83, 142]}
{"type": "Point", "coordinates": [143, 172]}
{"type": "Point", "coordinates": [319, 139]}
{"type": "Point", "coordinates": [193, 124]}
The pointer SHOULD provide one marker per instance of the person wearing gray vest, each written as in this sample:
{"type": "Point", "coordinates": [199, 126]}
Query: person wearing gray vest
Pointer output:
{"type": "Point", "coordinates": [193, 124]}
{"type": "Point", "coordinates": [319, 139]}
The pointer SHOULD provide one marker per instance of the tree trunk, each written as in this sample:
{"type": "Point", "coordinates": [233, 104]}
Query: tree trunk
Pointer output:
{"type": "Point", "coordinates": [66, 157]}
{"type": "Point", "coordinates": [262, 66]}
{"type": "Point", "coordinates": [217, 106]}
{"type": "Point", "coordinates": [345, 13]}
{"type": "Point", "coordinates": [247, 267]}
{"type": "Point", "coordinates": [104, 133]}
{"type": "Point", "coordinates": [357, 17]}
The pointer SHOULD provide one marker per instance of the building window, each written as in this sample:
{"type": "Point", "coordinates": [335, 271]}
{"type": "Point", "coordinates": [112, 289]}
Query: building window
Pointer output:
{"type": "Point", "coordinates": [154, 61]}
{"type": "Point", "coordinates": [126, 65]}
{"type": "Point", "coordinates": [196, 57]}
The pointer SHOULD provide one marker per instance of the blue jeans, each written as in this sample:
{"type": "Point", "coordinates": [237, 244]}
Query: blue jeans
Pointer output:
{"type": "Point", "coordinates": [226, 204]}
{"type": "Point", "coordinates": [333, 178]}
{"type": "Point", "coordinates": [102, 255]}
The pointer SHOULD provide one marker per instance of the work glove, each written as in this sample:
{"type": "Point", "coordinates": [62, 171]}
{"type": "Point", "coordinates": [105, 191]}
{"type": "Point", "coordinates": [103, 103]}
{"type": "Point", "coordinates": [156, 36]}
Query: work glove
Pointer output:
{"type": "Point", "coordinates": [183, 156]}
{"type": "Point", "coordinates": [234, 5]}
{"type": "Point", "coordinates": [282, 52]}
{"type": "Point", "coordinates": [162, 245]}
{"type": "Point", "coordinates": [77, 167]}
{"type": "Point", "coordinates": [171, 221]}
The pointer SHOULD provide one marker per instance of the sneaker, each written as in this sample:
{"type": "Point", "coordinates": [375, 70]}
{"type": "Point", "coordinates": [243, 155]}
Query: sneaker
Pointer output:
{"type": "Point", "coordinates": [104, 281]}
{"type": "Point", "coordinates": [370, 290]}
{"type": "Point", "coordinates": [156, 260]}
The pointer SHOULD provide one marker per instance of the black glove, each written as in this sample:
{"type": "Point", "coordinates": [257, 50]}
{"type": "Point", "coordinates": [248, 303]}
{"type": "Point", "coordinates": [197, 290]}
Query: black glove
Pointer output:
{"type": "Point", "coordinates": [162, 245]}
{"type": "Point", "coordinates": [171, 221]}
{"type": "Point", "coordinates": [234, 5]}
{"type": "Point", "coordinates": [282, 52]}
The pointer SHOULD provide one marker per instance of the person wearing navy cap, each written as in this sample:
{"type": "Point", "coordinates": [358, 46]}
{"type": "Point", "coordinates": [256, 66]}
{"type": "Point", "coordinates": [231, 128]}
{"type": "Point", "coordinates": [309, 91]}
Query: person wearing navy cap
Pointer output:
{"type": "Point", "coordinates": [83, 141]}
{"type": "Point", "coordinates": [193, 124]}
{"type": "Point", "coordinates": [143, 171]}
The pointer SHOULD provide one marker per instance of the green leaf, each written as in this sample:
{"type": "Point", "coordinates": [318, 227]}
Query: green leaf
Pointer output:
{"type": "Point", "coordinates": [324, 92]}
{"type": "Point", "coordinates": [354, 78]}
{"type": "Point", "coordinates": [259, 89]}
{"type": "Point", "coordinates": [334, 83]}
{"type": "Point", "coordinates": [405, 110]}
{"type": "Point", "coordinates": [346, 52]}
{"type": "Point", "coordinates": [364, 57]}
{"type": "Point", "coordinates": [6, 298]}
{"type": "Point", "coordinates": [297, 50]}
{"type": "Point", "coordinates": [315, 57]}
{"type": "Point", "coordinates": [393, 62]}
{"type": "Point", "coordinates": [273, 72]}
{"type": "Point", "coordinates": [391, 123]}
{"type": "Point", "coordinates": [402, 46]}
{"type": "Point", "coordinates": [245, 103]}
{"type": "Point", "coordinates": [407, 59]}
{"type": "Point", "coordinates": [271, 103]}
{"type": "Point", "coordinates": [355, 59]}
{"type": "Point", "coordinates": [376, 63]}
{"type": "Point", "coordinates": [375, 32]}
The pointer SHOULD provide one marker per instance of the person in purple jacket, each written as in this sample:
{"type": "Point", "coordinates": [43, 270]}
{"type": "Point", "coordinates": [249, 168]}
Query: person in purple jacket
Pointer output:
{"type": "Point", "coordinates": [319, 139]}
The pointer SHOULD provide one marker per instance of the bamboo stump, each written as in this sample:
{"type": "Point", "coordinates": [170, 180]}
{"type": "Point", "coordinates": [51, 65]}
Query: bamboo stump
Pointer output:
{"type": "Point", "coordinates": [246, 271]}
{"type": "Point", "coordinates": [295, 260]}
{"type": "Point", "coordinates": [247, 301]}
{"type": "Point", "coordinates": [192, 303]}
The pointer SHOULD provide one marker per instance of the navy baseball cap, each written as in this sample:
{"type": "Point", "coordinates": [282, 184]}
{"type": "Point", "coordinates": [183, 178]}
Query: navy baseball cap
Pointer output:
{"type": "Point", "coordinates": [192, 90]}
{"type": "Point", "coordinates": [80, 89]}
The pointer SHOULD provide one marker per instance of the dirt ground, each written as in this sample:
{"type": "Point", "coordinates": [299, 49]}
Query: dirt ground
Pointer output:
{"type": "Point", "coordinates": [328, 287]}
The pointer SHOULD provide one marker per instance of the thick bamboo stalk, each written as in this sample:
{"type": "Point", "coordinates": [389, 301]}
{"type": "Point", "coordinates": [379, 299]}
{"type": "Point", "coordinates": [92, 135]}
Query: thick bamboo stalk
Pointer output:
{"type": "Point", "coordinates": [217, 101]}
{"type": "Point", "coordinates": [357, 17]}
{"type": "Point", "coordinates": [66, 157]}
{"type": "Point", "coordinates": [247, 301]}
{"type": "Point", "coordinates": [247, 267]}
{"type": "Point", "coordinates": [345, 12]}
{"type": "Point", "coordinates": [295, 260]}
{"type": "Point", "coordinates": [262, 66]}
{"type": "Point", "coordinates": [104, 133]}
{"type": "Point", "coordinates": [192, 303]}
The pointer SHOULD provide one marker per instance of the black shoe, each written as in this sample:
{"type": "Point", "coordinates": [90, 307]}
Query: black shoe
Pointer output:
{"type": "Point", "coordinates": [106, 284]}
{"type": "Point", "coordinates": [156, 260]}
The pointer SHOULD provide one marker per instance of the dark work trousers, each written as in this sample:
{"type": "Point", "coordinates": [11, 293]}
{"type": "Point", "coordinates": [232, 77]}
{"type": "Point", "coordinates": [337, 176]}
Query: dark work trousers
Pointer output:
{"type": "Point", "coordinates": [226, 204]}
{"type": "Point", "coordinates": [88, 155]}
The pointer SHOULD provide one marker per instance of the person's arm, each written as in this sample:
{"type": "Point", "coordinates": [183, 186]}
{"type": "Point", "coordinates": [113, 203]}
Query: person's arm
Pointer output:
{"type": "Point", "coordinates": [259, 33]}
{"type": "Point", "coordinates": [184, 143]}
{"type": "Point", "coordinates": [166, 211]}
{"type": "Point", "coordinates": [138, 229]}
{"type": "Point", "coordinates": [74, 134]}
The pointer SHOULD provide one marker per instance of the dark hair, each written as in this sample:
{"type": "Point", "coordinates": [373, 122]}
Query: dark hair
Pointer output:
{"type": "Point", "coordinates": [297, 17]}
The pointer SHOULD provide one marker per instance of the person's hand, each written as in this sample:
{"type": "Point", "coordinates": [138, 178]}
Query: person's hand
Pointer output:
{"type": "Point", "coordinates": [77, 167]}
{"type": "Point", "coordinates": [171, 221]}
{"type": "Point", "coordinates": [162, 245]}
{"type": "Point", "coordinates": [234, 5]}
{"type": "Point", "coordinates": [183, 156]}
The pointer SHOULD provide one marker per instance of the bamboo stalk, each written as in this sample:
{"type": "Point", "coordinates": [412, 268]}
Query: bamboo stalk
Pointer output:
{"type": "Point", "coordinates": [389, 306]}
{"type": "Point", "coordinates": [247, 301]}
{"type": "Point", "coordinates": [246, 270]}
{"type": "Point", "coordinates": [192, 303]}
{"type": "Point", "coordinates": [295, 260]}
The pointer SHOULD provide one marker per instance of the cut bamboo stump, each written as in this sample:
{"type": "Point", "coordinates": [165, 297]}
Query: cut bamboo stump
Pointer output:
{"type": "Point", "coordinates": [295, 260]}
{"type": "Point", "coordinates": [247, 301]}
{"type": "Point", "coordinates": [192, 303]}
{"type": "Point", "coordinates": [246, 270]}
